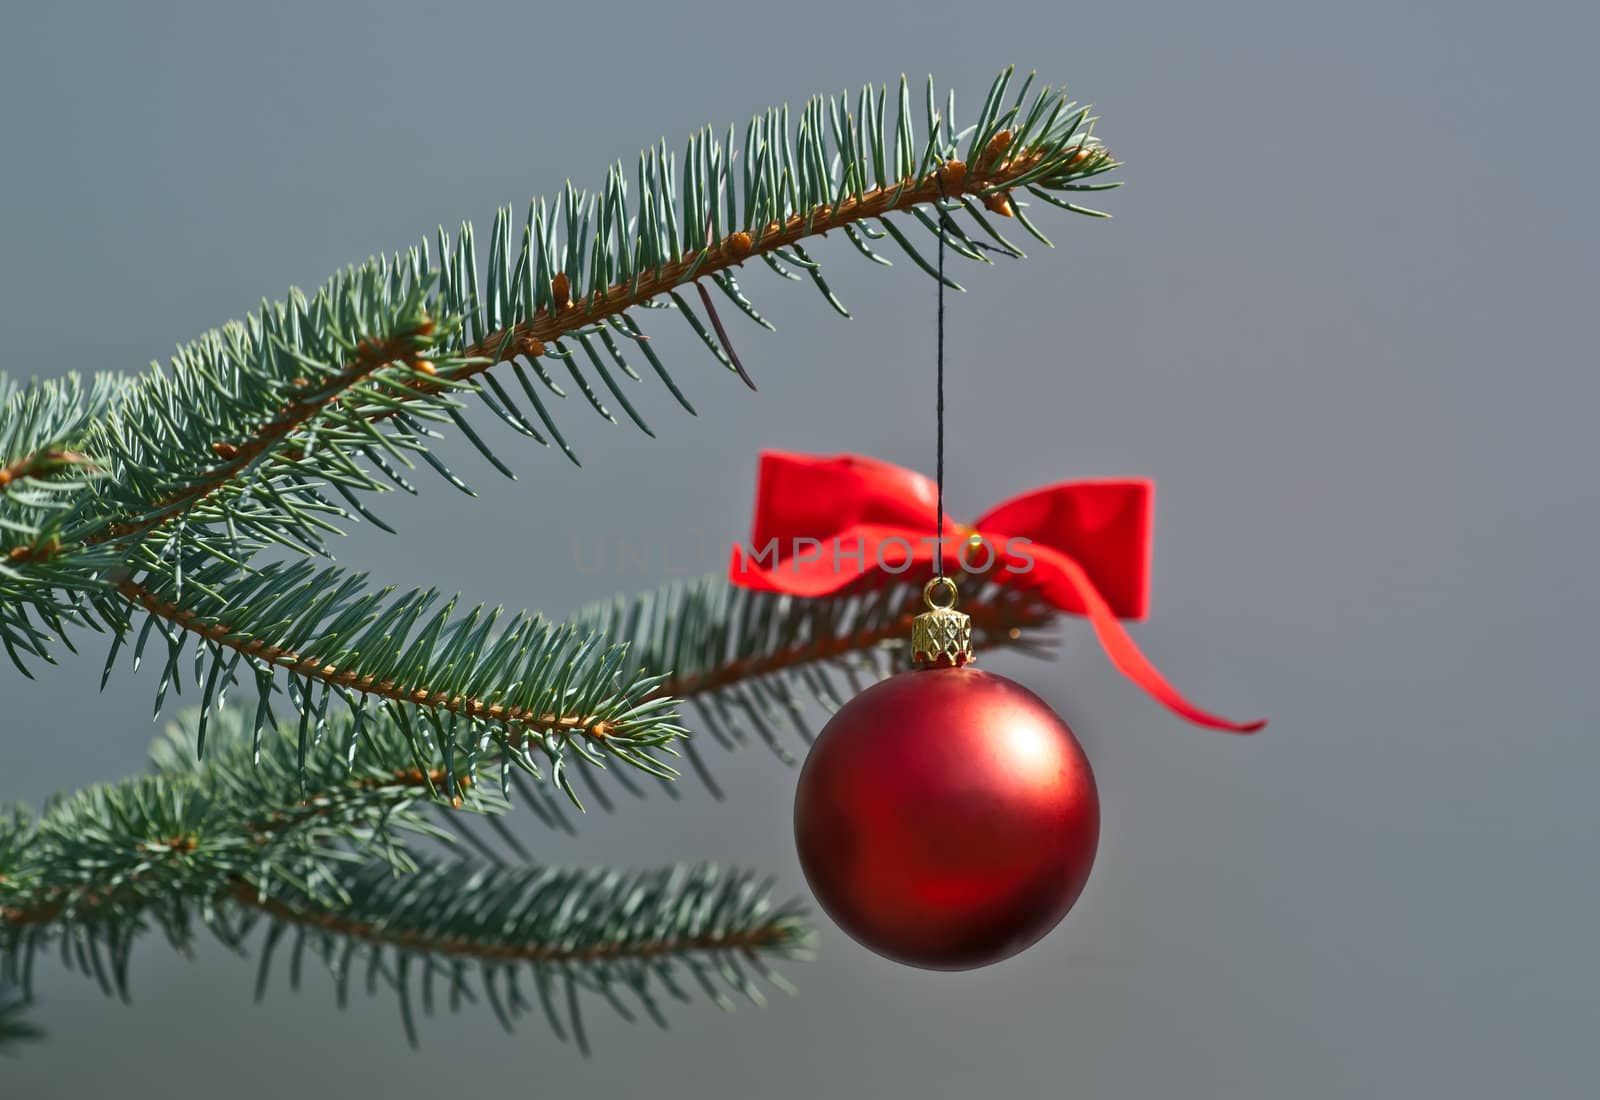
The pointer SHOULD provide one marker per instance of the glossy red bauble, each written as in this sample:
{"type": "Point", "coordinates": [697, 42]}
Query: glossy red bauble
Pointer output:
{"type": "Point", "coordinates": [946, 818]}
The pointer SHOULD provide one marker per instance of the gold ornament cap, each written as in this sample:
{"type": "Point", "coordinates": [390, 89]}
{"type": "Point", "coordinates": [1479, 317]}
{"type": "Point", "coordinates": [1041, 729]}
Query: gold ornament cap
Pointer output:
{"type": "Point", "coordinates": [941, 637]}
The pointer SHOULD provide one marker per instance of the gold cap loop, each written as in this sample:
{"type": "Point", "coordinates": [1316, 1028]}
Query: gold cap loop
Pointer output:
{"type": "Point", "coordinates": [940, 583]}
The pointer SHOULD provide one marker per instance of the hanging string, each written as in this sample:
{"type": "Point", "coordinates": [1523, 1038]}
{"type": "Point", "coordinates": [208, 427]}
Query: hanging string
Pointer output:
{"type": "Point", "coordinates": [938, 531]}
{"type": "Point", "coordinates": [946, 226]}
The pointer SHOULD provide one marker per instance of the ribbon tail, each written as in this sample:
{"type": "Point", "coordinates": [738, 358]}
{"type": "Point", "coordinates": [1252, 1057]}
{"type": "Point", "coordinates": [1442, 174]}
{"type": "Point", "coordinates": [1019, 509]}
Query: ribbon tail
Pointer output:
{"type": "Point", "coordinates": [1128, 660]}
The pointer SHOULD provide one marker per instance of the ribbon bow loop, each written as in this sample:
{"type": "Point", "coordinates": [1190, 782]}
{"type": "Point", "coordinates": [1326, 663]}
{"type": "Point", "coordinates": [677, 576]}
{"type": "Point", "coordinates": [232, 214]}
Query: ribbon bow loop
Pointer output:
{"type": "Point", "coordinates": [1102, 525]}
{"type": "Point", "coordinates": [823, 523]}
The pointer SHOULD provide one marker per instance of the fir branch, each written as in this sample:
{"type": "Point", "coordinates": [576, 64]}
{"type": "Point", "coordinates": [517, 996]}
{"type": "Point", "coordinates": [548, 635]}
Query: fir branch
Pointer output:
{"type": "Point", "coordinates": [749, 660]}
{"type": "Point", "coordinates": [535, 919]}
{"type": "Point", "coordinates": [404, 346]}
{"type": "Point", "coordinates": [997, 176]}
{"type": "Point", "coordinates": [999, 617]}
{"type": "Point", "coordinates": [229, 844]}
{"type": "Point", "coordinates": [44, 475]}
{"type": "Point", "coordinates": [112, 851]}
{"type": "Point", "coordinates": [38, 421]}
{"type": "Point", "coordinates": [455, 686]}
{"type": "Point", "coordinates": [314, 668]}
{"type": "Point", "coordinates": [572, 934]}
{"type": "Point", "coordinates": [580, 268]}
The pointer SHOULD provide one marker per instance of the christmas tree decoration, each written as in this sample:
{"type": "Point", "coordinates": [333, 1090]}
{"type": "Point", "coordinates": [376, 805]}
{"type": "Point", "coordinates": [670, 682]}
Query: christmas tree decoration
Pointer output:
{"type": "Point", "coordinates": [946, 817]}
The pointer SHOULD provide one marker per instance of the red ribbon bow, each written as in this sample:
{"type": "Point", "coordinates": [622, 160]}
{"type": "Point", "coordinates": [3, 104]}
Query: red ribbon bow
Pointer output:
{"type": "Point", "coordinates": [823, 523]}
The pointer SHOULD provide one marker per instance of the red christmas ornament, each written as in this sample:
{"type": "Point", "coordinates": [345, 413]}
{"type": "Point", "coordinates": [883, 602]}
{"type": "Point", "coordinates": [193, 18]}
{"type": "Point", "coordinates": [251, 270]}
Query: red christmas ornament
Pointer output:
{"type": "Point", "coordinates": [946, 818]}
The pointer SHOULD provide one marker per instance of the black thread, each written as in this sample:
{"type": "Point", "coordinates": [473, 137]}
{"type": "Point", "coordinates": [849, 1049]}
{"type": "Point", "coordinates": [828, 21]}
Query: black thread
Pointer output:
{"type": "Point", "coordinates": [938, 531]}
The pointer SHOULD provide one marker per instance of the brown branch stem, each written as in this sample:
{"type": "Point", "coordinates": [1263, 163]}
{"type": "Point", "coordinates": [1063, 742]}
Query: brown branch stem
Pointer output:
{"type": "Point", "coordinates": [39, 463]}
{"type": "Point", "coordinates": [371, 932]}
{"type": "Point", "coordinates": [235, 457]}
{"type": "Point", "coordinates": [316, 668]}
{"type": "Point", "coordinates": [370, 356]}
{"type": "Point", "coordinates": [986, 619]}
{"type": "Point", "coordinates": [733, 250]}
{"type": "Point", "coordinates": [243, 893]}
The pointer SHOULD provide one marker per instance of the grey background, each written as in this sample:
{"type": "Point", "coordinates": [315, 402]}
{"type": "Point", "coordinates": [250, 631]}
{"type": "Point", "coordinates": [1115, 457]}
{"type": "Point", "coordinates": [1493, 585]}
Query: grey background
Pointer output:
{"type": "Point", "coordinates": [1344, 317]}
